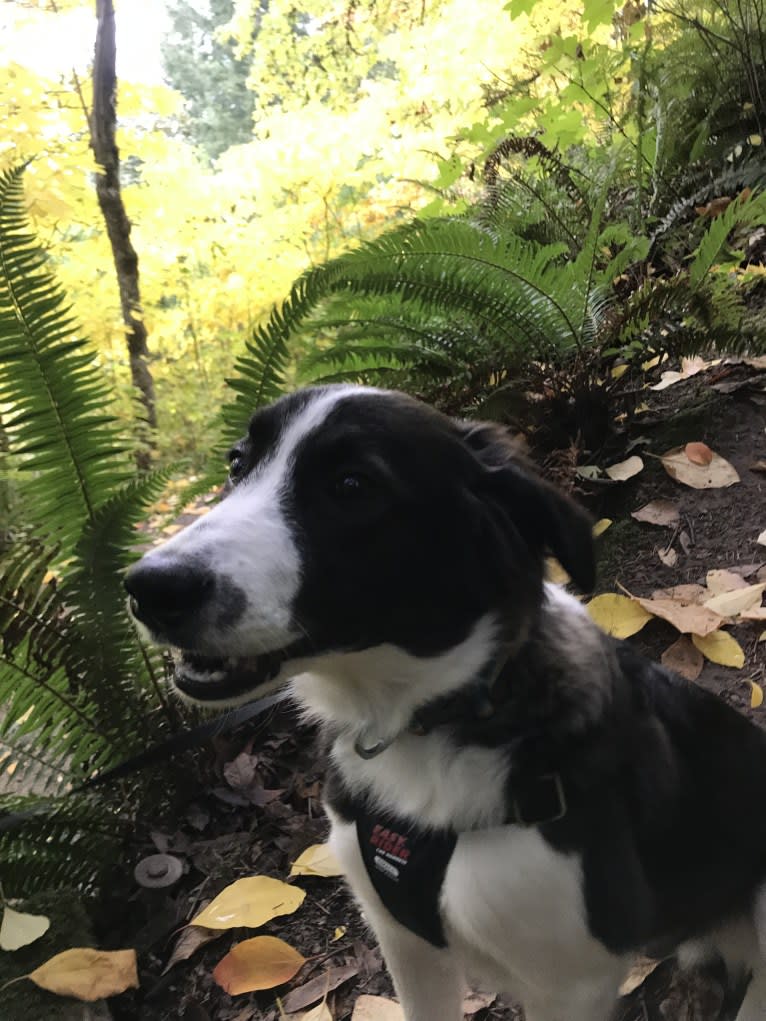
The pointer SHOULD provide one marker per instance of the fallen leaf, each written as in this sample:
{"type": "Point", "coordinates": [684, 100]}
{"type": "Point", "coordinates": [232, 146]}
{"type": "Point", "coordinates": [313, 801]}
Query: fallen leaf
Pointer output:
{"type": "Point", "coordinates": [650, 363]}
{"type": "Point", "coordinates": [258, 963]}
{"type": "Point", "coordinates": [731, 604]}
{"type": "Point", "coordinates": [19, 929]}
{"type": "Point", "coordinates": [720, 648]}
{"type": "Point", "coordinates": [376, 1008]}
{"type": "Point", "coordinates": [318, 987]}
{"type": "Point", "coordinates": [640, 971]}
{"type": "Point", "coordinates": [719, 474]}
{"type": "Point", "coordinates": [757, 613]}
{"type": "Point", "coordinates": [758, 466]}
{"type": "Point", "coordinates": [698, 453]}
{"type": "Point", "coordinates": [761, 540]}
{"type": "Point", "coordinates": [555, 573]}
{"type": "Point", "coordinates": [598, 529]}
{"type": "Point", "coordinates": [616, 372]}
{"type": "Point", "coordinates": [252, 901]}
{"type": "Point", "coordinates": [683, 593]}
{"type": "Point", "coordinates": [191, 939]}
{"type": "Point", "coordinates": [624, 470]}
{"type": "Point", "coordinates": [688, 618]}
{"type": "Point", "coordinates": [240, 772]}
{"type": "Point", "coordinates": [756, 695]}
{"type": "Point", "coordinates": [721, 580]}
{"type": "Point", "coordinates": [715, 207]}
{"type": "Point", "coordinates": [618, 615]}
{"type": "Point", "coordinates": [683, 657]}
{"type": "Point", "coordinates": [318, 1013]}
{"type": "Point", "coordinates": [588, 471]}
{"type": "Point", "coordinates": [669, 557]}
{"type": "Point", "coordinates": [689, 367]}
{"type": "Point", "coordinates": [88, 974]}
{"type": "Point", "coordinates": [762, 636]}
{"type": "Point", "coordinates": [317, 860]}
{"type": "Point", "coordinates": [658, 512]}
{"type": "Point", "coordinates": [339, 933]}
{"type": "Point", "coordinates": [474, 1001]}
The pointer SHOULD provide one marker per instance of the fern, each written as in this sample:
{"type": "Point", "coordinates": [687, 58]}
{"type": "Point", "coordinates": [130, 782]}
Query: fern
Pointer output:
{"type": "Point", "coordinates": [751, 210]}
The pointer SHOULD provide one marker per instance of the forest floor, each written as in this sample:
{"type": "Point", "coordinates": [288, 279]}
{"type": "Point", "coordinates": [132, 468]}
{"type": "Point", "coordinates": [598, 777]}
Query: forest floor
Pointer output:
{"type": "Point", "coordinates": [259, 806]}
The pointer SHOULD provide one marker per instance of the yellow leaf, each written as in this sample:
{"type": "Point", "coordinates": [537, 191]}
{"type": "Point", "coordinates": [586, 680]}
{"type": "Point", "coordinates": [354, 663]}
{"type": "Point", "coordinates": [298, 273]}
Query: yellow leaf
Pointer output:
{"type": "Point", "coordinates": [252, 901]}
{"type": "Point", "coordinates": [755, 139]}
{"type": "Point", "coordinates": [258, 963]}
{"type": "Point", "coordinates": [756, 695]}
{"type": "Point", "coordinates": [317, 860]}
{"type": "Point", "coordinates": [88, 974]}
{"type": "Point", "coordinates": [625, 469]}
{"type": "Point", "coordinates": [721, 648]}
{"type": "Point", "coordinates": [650, 364]}
{"type": "Point", "coordinates": [618, 371]}
{"type": "Point", "coordinates": [555, 573]}
{"type": "Point", "coordinates": [20, 929]}
{"type": "Point", "coordinates": [339, 933]}
{"type": "Point", "coordinates": [601, 526]}
{"type": "Point", "coordinates": [617, 615]}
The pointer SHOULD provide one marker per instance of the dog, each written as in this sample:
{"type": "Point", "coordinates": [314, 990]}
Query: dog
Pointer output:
{"type": "Point", "coordinates": [513, 795]}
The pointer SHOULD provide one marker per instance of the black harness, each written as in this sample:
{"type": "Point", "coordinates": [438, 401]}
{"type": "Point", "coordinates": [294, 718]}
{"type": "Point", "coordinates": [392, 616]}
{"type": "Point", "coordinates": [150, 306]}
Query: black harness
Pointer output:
{"type": "Point", "coordinates": [407, 863]}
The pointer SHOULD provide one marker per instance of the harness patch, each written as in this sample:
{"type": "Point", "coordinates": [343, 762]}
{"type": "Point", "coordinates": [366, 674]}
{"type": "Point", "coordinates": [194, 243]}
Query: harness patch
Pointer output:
{"type": "Point", "coordinates": [406, 866]}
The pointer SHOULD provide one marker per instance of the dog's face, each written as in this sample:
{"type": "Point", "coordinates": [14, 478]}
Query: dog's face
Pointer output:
{"type": "Point", "coordinates": [355, 518]}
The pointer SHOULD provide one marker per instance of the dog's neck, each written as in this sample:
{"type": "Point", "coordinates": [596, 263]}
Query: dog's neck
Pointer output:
{"type": "Point", "coordinates": [374, 695]}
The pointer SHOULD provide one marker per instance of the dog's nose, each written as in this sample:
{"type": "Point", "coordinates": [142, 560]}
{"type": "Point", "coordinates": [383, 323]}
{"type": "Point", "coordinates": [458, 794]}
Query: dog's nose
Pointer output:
{"type": "Point", "coordinates": [165, 592]}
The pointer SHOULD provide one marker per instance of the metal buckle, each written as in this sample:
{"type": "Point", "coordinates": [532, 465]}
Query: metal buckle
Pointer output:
{"type": "Point", "coordinates": [562, 803]}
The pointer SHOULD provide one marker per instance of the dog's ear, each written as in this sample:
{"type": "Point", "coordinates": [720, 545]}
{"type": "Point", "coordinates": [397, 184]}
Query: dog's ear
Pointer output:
{"type": "Point", "coordinates": [545, 517]}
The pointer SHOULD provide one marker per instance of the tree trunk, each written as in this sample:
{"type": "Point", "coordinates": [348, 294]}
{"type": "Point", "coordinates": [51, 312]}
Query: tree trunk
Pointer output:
{"type": "Point", "coordinates": [103, 122]}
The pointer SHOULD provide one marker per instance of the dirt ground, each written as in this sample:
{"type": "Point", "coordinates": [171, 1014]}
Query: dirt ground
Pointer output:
{"type": "Point", "coordinates": [227, 831]}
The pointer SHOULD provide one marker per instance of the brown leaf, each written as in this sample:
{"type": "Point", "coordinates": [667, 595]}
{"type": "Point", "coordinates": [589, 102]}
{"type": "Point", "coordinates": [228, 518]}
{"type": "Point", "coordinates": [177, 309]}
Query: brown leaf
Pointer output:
{"type": "Point", "coordinates": [669, 557]}
{"type": "Point", "coordinates": [718, 474]}
{"type": "Point", "coordinates": [688, 618]}
{"type": "Point", "coordinates": [759, 466]}
{"type": "Point", "coordinates": [684, 658]}
{"type": "Point", "coordinates": [191, 939]}
{"type": "Point", "coordinates": [88, 974]}
{"type": "Point", "coordinates": [698, 453]}
{"type": "Point", "coordinates": [683, 593]}
{"type": "Point", "coordinates": [721, 580]}
{"type": "Point", "coordinates": [624, 470]}
{"type": "Point", "coordinates": [318, 987]}
{"type": "Point", "coordinates": [258, 963]}
{"type": "Point", "coordinates": [715, 207]}
{"type": "Point", "coordinates": [240, 773]}
{"type": "Point", "coordinates": [639, 972]}
{"type": "Point", "coordinates": [376, 1008]}
{"type": "Point", "coordinates": [658, 512]}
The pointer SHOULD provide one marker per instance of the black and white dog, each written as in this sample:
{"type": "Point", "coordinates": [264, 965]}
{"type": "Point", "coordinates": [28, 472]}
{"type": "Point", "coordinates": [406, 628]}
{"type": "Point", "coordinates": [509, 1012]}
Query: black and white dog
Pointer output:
{"type": "Point", "coordinates": [514, 796]}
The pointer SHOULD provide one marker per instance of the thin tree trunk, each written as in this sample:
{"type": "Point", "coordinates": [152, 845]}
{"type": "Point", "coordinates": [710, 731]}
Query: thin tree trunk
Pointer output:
{"type": "Point", "coordinates": [103, 122]}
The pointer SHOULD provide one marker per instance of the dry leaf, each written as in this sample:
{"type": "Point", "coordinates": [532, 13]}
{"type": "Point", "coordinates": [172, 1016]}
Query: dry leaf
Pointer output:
{"type": "Point", "coordinates": [339, 933]}
{"type": "Point", "coordinates": [240, 772]}
{"type": "Point", "coordinates": [555, 573]}
{"type": "Point", "coordinates": [474, 1001]}
{"type": "Point", "coordinates": [658, 512]}
{"type": "Point", "coordinates": [731, 604]}
{"type": "Point", "coordinates": [640, 971]}
{"type": "Point", "coordinates": [758, 466]}
{"type": "Point", "coordinates": [698, 453]}
{"type": "Point", "coordinates": [191, 939]}
{"type": "Point", "coordinates": [19, 929]}
{"type": "Point", "coordinates": [252, 901]}
{"type": "Point", "coordinates": [318, 987]}
{"type": "Point", "coordinates": [756, 695]}
{"type": "Point", "coordinates": [317, 860]}
{"type": "Point", "coordinates": [761, 540]}
{"type": "Point", "coordinates": [683, 593]}
{"type": "Point", "coordinates": [625, 469]}
{"type": "Point", "coordinates": [616, 372]}
{"type": "Point", "coordinates": [88, 974]}
{"type": "Point", "coordinates": [688, 618]}
{"type": "Point", "coordinates": [599, 528]}
{"type": "Point", "coordinates": [258, 963]}
{"type": "Point", "coordinates": [683, 657]}
{"type": "Point", "coordinates": [721, 648]}
{"type": "Point", "coordinates": [689, 367]}
{"type": "Point", "coordinates": [377, 1008]}
{"type": "Point", "coordinates": [318, 1013]}
{"type": "Point", "coordinates": [617, 615]}
{"type": "Point", "coordinates": [757, 613]}
{"type": "Point", "coordinates": [669, 557]}
{"type": "Point", "coordinates": [724, 581]}
{"type": "Point", "coordinates": [719, 474]}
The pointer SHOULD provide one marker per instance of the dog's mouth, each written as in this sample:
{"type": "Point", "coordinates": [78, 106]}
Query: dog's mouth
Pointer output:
{"type": "Point", "coordinates": [225, 678]}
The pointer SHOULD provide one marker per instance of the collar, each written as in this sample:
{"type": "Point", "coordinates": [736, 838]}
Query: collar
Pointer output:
{"type": "Point", "coordinates": [531, 799]}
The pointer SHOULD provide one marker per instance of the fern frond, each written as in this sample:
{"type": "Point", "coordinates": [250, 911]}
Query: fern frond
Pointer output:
{"type": "Point", "coordinates": [750, 210]}
{"type": "Point", "coordinates": [48, 379]}
{"type": "Point", "coordinates": [261, 375]}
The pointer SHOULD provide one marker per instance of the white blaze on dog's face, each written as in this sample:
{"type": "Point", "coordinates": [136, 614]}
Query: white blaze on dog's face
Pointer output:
{"type": "Point", "coordinates": [357, 518]}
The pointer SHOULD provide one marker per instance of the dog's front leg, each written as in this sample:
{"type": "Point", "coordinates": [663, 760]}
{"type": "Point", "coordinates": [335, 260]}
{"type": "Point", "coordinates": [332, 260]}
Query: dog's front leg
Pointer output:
{"type": "Point", "coordinates": [427, 979]}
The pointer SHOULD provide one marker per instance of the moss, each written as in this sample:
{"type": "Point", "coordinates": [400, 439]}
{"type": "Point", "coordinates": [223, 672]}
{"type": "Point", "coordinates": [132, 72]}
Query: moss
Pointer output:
{"type": "Point", "coordinates": [70, 927]}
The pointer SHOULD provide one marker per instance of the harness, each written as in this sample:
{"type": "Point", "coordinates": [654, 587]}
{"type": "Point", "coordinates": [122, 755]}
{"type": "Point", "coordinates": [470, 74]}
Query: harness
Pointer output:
{"type": "Point", "coordinates": [407, 863]}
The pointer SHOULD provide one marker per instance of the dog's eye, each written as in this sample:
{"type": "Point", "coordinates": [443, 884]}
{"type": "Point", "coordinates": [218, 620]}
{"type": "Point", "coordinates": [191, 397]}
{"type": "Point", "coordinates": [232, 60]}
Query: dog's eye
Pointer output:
{"type": "Point", "coordinates": [351, 486]}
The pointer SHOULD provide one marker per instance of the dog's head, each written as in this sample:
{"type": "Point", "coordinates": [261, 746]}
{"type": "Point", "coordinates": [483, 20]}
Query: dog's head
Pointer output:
{"type": "Point", "coordinates": [355, 518]}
